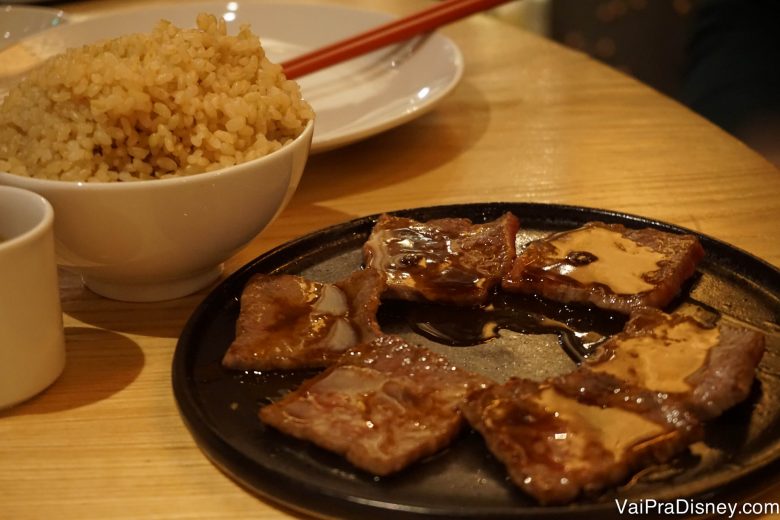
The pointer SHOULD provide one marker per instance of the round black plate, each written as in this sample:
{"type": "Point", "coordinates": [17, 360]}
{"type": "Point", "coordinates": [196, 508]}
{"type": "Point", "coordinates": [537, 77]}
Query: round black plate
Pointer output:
{"type": "Point", "coordinates": [220, 406]}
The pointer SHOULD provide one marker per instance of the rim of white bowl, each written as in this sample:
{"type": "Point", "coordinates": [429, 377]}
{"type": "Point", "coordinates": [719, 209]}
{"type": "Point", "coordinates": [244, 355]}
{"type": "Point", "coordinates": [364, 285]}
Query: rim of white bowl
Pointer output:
{"type": "Point", "coordinates": [32, 182]}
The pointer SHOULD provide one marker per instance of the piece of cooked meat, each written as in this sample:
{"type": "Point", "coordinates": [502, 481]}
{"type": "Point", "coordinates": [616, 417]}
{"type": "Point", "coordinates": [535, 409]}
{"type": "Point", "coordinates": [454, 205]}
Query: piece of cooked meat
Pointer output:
{"type": "Point", "coordinates": [608, 265]}
{"type": "Point", "coordinates": [556, 448]}
{"type": "Point", "coordinates": [288, 322]}
{"type": "Point", "coordinates": [384, 405]}
{"type": "Point", "coordinates": [710, 369]}
{"type": "Point", "coordinates": [448, 260]}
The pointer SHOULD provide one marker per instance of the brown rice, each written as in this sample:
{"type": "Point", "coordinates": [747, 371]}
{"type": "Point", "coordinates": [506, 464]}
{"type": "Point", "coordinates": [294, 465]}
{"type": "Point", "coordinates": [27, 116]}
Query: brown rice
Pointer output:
{"type": "Point", "coordinates": [175, 102]}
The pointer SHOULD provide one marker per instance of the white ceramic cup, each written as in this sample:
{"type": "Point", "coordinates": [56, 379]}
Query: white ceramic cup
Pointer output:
{"type": "Point", "coordinates": [32, 341]}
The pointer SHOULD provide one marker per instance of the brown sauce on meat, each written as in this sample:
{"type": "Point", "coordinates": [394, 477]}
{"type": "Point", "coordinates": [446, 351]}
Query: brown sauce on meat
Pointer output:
{"type": "Point", "coordinates": [450, 261]}
{"type": "Point", "coordinates": [615, 429]}
{"type": "Point", "coordinates": [422, 255]}
{"type": "Point", "coordinates": [663, 359]}
{"type": "Point", "coordinates": [597, 255]}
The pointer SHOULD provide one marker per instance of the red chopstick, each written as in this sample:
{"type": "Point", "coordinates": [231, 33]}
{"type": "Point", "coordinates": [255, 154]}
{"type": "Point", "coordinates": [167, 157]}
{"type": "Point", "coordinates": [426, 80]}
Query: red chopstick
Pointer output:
{"type": "Point", "coordinates": [423, 21]}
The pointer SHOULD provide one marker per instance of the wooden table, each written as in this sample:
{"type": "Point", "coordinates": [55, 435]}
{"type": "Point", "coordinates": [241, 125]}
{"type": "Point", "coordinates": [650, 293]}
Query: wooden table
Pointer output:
{"type": "Point", "coordinates": [531, 121]}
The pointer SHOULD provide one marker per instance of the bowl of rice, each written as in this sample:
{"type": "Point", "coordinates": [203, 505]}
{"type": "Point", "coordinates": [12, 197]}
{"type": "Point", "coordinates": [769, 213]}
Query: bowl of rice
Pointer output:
{"type": "Point", "coordinates": [163, 154]}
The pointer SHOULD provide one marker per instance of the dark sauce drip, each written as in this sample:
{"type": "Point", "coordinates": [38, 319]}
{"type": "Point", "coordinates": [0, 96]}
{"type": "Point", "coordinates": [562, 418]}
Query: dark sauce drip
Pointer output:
{"type": "Point", "coordinates": [580, 328]}
{"type": "Point", "coordinates": [580, 258]}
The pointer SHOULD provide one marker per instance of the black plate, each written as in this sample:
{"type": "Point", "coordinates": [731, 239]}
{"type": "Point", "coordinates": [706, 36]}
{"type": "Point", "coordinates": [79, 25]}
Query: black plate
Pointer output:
{"type": "Point", "coordinates": [220, 406]}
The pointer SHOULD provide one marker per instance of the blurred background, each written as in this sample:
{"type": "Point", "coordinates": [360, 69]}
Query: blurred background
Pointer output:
{"type": "Point", "coordinates": [719, 57]}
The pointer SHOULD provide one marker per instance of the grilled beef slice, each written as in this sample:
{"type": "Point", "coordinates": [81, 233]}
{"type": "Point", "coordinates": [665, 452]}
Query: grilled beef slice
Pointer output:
{"type": "Point", "coordinates": [288, 322]}
{"type": "Point", "coordinates": [448, 260]}
{"type": "Point", "coordinates": [557, 448]}
{"type": "Point", "coordinates": [608, 265]}
{"type": "Point", "coordinates": [709, 369]}
{"type": "Point", "coordinates": [383, 405]}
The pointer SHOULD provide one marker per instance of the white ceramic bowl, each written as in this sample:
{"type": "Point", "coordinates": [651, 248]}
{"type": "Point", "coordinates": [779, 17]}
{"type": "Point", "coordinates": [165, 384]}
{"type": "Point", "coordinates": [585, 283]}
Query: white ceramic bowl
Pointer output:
{"type": "Point", "coordinates": [162, 239]}
{"type": "Point", "coordinates": [18, 21]}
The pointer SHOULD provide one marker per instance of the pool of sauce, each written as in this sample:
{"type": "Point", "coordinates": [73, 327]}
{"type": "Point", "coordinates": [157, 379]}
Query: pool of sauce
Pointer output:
{"type": "Point", "coordinates": [580, 328]}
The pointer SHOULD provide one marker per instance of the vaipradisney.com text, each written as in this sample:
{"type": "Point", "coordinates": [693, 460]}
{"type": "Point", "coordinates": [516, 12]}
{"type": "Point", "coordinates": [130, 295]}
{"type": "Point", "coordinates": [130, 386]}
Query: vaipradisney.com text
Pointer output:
{"type": "Point", "coordinates": [685, 506]}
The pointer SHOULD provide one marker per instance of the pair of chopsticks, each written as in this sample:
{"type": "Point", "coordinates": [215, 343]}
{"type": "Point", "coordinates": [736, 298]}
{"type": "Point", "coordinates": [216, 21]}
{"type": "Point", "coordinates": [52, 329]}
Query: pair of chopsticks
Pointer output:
{"type": "Point", "coordinates": [404, 28]}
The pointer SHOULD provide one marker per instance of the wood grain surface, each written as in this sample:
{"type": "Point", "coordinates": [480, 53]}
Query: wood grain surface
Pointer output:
{"type": "Point", "coordinates": [531, 121]}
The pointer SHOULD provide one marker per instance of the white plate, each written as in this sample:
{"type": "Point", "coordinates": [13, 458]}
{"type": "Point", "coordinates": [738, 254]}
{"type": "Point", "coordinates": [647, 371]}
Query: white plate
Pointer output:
{"type": "Point", "coordinates": [352, 100]}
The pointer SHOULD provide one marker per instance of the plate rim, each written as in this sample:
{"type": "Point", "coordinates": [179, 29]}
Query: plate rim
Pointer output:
{"type": "Point", "coordinates": [282, 489]}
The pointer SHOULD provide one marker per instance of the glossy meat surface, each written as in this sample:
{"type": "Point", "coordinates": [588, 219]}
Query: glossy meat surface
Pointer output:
{"type": "Point", "coordinates": [607, 265]}
{"type": "Point", "coordinates": [641, 398]}
{"type": "Point", "coordinates": [384, 405]}
{"type": "Point", "coordinates": [288, 322]}
{"type": "Point", "coordinates": [446, 260]}
{"type": "Point", "coordinates": [709, 369]}
{"type": "Point", "coordinates": [556, 448]}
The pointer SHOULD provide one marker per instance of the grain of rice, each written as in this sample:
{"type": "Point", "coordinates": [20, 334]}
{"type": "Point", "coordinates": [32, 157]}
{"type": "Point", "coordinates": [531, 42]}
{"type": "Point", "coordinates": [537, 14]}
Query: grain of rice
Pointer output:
{"type": "Point", "coordinates": [149, 106]}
